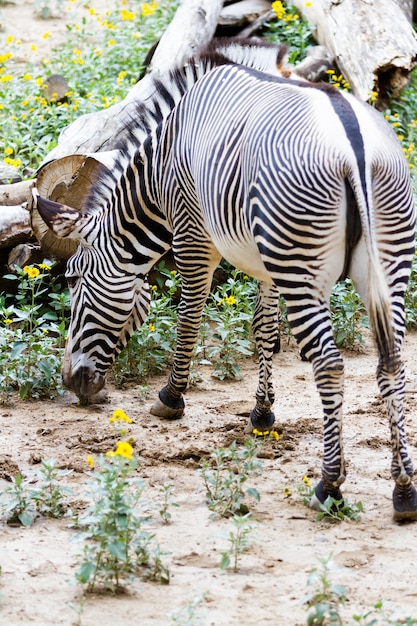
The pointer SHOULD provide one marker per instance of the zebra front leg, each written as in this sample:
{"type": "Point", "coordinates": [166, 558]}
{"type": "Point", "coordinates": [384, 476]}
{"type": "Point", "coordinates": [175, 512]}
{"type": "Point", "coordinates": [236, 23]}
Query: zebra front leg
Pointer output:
{"type": "Point", "coordinates": [196, 283]}
{"type": "Point", "coordinates": [391, 384]}
{"type": "Point", "coordinates": [265, 328]}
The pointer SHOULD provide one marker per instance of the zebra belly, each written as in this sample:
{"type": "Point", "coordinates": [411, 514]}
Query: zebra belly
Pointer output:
{"type": "Point", "coordinates": [244, 256]}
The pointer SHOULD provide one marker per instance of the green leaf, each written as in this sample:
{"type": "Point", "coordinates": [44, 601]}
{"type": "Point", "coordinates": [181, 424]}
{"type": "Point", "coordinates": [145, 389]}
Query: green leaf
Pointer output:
{"type": "Point", "coordinates": [17, 349]}
{"type": "Point", "coordinates": [26, 519]}
{"type": "Point", "coordinates": [85, 572]}
{"type": "Point", "coordinates": [225, 562]}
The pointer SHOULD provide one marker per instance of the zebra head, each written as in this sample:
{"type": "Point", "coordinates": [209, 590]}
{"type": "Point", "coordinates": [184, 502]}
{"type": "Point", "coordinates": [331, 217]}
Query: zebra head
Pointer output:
{"type": "Point", "coordinates": [109, 300]}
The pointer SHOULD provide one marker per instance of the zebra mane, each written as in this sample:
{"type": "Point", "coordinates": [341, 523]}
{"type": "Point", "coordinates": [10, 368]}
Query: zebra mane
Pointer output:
{"type": "Point", "coordinates": [167, 90]}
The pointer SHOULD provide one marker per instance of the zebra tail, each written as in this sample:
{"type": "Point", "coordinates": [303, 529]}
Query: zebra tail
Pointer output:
{"type": "Point", "coordinates": [378, 297]}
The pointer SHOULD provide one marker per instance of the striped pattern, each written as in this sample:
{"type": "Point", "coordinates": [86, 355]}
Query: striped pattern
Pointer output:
{"type": "Point", "coordinates": [293, 184]}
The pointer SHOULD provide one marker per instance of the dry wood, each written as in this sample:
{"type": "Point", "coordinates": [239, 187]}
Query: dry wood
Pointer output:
{"type": "Point", "coordinates": [372, 41]}
{"type": "Point", "coordinates": [14, 226]}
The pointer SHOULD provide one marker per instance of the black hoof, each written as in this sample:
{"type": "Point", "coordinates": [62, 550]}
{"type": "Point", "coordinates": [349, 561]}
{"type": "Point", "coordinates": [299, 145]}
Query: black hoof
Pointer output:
{"type": "Point", "coordinates": [168, 407]}
{"type": "Point", "coordinates": [322, 492]}
{"type": "Point", "coordinates": [405, 503]}
{"type": "Point", "coordinates": [261, 422]}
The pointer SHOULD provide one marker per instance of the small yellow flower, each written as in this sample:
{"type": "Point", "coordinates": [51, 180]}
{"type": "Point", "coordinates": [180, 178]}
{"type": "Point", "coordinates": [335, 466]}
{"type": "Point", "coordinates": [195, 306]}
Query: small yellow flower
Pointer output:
{"type": "Point", "coordinates": [8, 151]}
{"type": "Point", "coordinates": [279, 9]}
{"type": "Point", "coordinates": [127, 15]}
{"type": "Point", "coordinates": [306, 481]}
{"type": "Point", "coordinates": [45, 267]}
{"type": "Point", "coordinates": [153, 287]}
{"type": "Point", "coordinates": [120, 416]}
{"type": "Point", "coordinates": [149, 8]}
{"type": "Point", "coordinates": [111, 42]}
{"type": "Point", "coordinates": [33, 47]}
{"type": "Point", "coordinates": [123, 449]}
{"type": "Point", "coordinates": [230, 300]}
{"type": "Point", "coordinates": [287, 492]}
{"type": "Point", "coordinates": [39, 81]}
{"type": "Point", "coordinates": [8, 320]}
{"type": "Point", "coordinates": [151, 328]}
{"type": "Point", "coordinates": [46, 35]}
{"type": "Point", "coordinates": [90, 461]}
{"type": "Point", "coordinates": [308, 4]}
{"type": "Point", "coordinates": [32, 272]}
{"type": "Point", "coordinates": [173, 272]}
{"type": "Point", "coordinates": [10, 39]}
{"type": "Point", "coordinates": [27, 76]}
{"type": "Point", "coordinates": [6, 78]}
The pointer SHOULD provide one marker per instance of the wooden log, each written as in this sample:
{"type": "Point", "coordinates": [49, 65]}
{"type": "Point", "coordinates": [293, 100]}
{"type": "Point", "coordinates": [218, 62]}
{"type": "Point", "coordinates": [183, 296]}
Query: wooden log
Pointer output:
{"type": "Point", "coordinates": [15, 193]}
{"type": "Point", "coordinates": [15, 226]}
{"type": "Point", "coordinates": [192, 27]}
{"type": "Point", "coordinates": [372, 41]}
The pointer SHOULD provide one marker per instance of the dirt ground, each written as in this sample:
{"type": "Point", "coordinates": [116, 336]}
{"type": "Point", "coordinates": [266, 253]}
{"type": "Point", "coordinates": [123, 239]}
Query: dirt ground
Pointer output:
{"type": "Point", "coordinates": [373, 558]}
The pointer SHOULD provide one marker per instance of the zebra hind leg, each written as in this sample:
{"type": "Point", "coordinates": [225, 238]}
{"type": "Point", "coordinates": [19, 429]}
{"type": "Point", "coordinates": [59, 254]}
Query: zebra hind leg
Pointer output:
{"type": "Point", "coordinates": [391, 382]}
{"type": "Point", "coordinates": [265, 327]}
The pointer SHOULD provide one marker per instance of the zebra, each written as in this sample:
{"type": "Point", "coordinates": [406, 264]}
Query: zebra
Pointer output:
{"type": "Point", "coordinates": [297, 185]}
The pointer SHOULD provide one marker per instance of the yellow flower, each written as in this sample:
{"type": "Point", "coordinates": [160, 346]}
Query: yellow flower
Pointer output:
{"type": "Point", "coordinates": [39, 81]}
{"type": "Point", "coordinates": [230, 300]}
{"type": "Point", "coordinates": [46, 35]}
{"type": "Point", "coordinates": [6, 78]}
{"type": "Point", "coordinates": [33, 47]}
{"type": "Point", "coordinates": [119, 416]}
{"type": "Point", "coordinates": [32, 272]}
{"type": "Point", "coordinates": [8, 320]}
{"type": "Point", "coordinates": [287, 491]}
{"type": "Point", "coordinates": [308, 4]}
{"type": "Point", "coordinates": [8, 151]}
{"type": "Point", "coordinates": [44, 266]}
{"type": "Point", "coordinates": [127, 15]}
{"type": "Point", "coordinates": [153, 287]}
{"type": "Point", "coordinates": [149, 8]}
{"type": "Point", "coordinates": [279, 9]}
{"type": "Point", "coordinates": [306, 481]}
{"type": "Point", "coordinates": [151, 328]}
{"type": "Point", "coordinates": [111, 42]}
{"type": "Point", "coordinates": [10, 39]}
{"type": "Point", "coordinates": [173, 272]}
{"type": "Point", "coordinates": [27, 76]}
{"type": "Point", "coordinates": [123, 449]}
{"type": "Point", "coordinates": [90, 461]}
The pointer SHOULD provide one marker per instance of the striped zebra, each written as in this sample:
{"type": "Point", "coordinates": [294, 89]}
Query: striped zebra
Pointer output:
{"type": "Point", "coordinates": [296, 184]}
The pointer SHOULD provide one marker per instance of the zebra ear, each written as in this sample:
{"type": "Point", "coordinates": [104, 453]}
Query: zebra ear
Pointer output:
{"type": "Point", "coordinates": [60, 218]}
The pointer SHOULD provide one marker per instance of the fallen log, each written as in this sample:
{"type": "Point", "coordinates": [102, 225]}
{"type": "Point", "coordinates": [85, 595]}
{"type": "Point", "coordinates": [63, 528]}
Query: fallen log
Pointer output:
{"type": "Point", "coordinates": [372, 42]}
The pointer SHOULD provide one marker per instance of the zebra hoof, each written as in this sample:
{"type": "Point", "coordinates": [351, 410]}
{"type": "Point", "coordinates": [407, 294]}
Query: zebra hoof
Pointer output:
{"type": "Point", "coordinates": [322, 492]}
{"type": "Point", "coordinates": [167, 407]}
{"type": "Point", "coordinates": [405, 503]}
{"type": "Point", "coordinates": [260, 423]}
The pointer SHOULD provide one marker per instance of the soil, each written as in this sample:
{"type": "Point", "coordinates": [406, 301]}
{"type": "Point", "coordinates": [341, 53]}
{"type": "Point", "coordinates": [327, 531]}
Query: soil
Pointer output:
{"type": "Point", "coordinates": [373, 558]}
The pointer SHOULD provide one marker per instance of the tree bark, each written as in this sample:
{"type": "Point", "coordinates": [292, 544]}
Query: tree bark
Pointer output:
{"type": "Point", "coordinates": [372, 41]}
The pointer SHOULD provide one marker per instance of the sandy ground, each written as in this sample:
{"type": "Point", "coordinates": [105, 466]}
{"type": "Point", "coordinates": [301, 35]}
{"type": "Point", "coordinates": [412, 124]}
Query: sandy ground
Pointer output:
{"type": "Point", "coordinates": [373, 558]}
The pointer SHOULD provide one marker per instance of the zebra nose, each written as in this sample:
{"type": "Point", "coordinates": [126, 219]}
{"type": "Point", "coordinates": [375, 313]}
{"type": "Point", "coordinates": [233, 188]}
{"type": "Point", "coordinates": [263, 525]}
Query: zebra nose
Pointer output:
{"type": "Point", "coordinates": [84, 381]}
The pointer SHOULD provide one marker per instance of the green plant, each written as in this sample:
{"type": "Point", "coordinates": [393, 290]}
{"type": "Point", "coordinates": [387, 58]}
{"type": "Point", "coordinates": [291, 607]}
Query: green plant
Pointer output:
{"type": "Point", "coordinates": [325, 600]}
{"type": "Point", "coordinates": [238, 541]}
{"type": "Point", "coordinates": [30, 352]}
{"type": "Point", "coordinates": [188, 615]}
{"type": "Point", "coordinates": [166, 492]}
{"type": "Point", "coordinates": [338, 510]}
{"type": "Point", "coordinates": [379, 616]}
{"type": "Point", "coordinates": [348, 315]}
{"type": "Point", "coordinates": [50, 496]}
{"type": "Point", "coordinates": [118, 548]}
{"type": "Point", "coordinates": [101, 58]}
{"type": "Point", "coordinates": [19, 506]}
{"type": "Point", "coordinates": [225, 475]}
{"type": "Point", "coordinates": [289, 28]}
